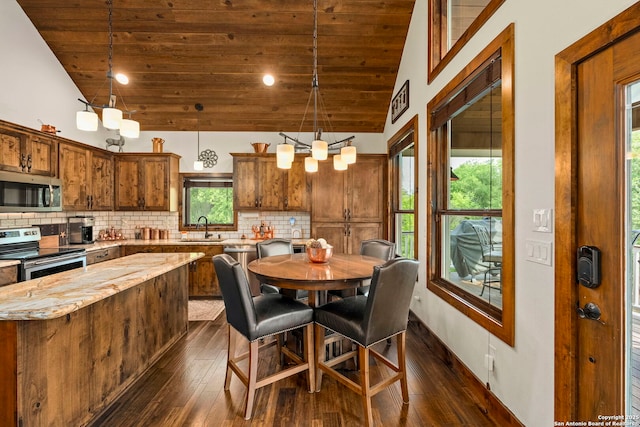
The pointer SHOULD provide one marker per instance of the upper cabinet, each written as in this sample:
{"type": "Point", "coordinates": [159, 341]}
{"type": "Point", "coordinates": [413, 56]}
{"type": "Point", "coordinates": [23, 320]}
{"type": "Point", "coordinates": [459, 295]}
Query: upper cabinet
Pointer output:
{"type": "Point", "coordinates": [27, 151]}
{"type": "Point", "coordinates": [354, 195]}
{"type": "Point", "coordinates": [148, 182]}
{"type": "Point", "coordinates": [87, 176]}
{"type": "Point", "coordinates": [258, 184]}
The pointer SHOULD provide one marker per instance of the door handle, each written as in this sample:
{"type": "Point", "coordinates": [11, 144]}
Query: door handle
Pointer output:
{"type": "Point", "coordinates": [590, 311]}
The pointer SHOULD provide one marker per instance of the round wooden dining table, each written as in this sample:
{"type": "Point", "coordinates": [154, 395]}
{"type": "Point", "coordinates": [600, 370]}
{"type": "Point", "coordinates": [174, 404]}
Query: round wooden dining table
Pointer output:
{"type": "Point", "coordinates": [342, 271]}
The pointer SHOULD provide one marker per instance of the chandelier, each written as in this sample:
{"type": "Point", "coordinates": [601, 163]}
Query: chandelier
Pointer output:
{"type": "Point", "coordinates": [112, 118]}
{"type": "Point", "coordinates": [319, 148]}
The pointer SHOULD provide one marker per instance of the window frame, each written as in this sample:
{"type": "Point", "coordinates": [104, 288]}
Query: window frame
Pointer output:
{"type": "Point", "coordinates": [181, 202]}
{"type": "Point", "coordinates": [394, 200]}
{"type": "Point", "coordinates": [500, 324]}
{"type": "Point", "coordinates": [437, 55]}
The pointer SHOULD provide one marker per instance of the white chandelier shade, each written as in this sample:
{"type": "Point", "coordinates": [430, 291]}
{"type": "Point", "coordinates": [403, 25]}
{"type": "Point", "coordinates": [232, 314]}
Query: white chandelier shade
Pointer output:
{"type": "Point", "coordinates": [111, 118]}
{"type": "Point", "coordinates": [87, 121]}
{"type": "Point", "coordinates": [310, 164]}
{"type": "Point", "coordinates": [338, 163]}
{"type": "Point", "coordinates": [130, 128]}
{"type": "Point", "coordinates": [319, 149]}
{"type": "Point", "coordinates": [348, 154]}
{"type": "Point", "coordinates": [285, 154]}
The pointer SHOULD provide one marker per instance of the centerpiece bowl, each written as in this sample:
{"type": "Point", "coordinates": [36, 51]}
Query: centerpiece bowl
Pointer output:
{"type": "Point", "coordinates": [320, 255]}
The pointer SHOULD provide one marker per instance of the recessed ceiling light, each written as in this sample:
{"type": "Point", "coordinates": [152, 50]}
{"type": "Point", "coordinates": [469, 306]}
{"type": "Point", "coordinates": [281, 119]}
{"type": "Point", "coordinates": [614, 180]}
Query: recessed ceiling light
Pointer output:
{"type": "Point", "coordinates": [268, 80]}
{"type": "Point", "coordinates": [122, 79]}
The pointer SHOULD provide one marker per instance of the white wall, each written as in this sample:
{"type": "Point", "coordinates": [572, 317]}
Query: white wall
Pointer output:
{"type": "Point", "coordinates": [523, 375]}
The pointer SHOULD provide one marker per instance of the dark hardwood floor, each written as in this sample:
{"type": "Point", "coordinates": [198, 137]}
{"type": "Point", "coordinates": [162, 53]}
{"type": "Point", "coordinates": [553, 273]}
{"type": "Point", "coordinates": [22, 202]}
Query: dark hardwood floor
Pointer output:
{"type": "Point", "coordinates": [185, 388]}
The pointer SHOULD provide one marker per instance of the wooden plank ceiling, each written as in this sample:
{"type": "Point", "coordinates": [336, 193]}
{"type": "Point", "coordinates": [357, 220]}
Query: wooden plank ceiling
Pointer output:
{"type": "Point", "coordinates": [181, 52]}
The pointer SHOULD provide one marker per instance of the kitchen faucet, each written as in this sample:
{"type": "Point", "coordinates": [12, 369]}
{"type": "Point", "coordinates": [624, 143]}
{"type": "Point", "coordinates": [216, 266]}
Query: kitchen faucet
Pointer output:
{"type": "Point", "coordinates": [206, 226]}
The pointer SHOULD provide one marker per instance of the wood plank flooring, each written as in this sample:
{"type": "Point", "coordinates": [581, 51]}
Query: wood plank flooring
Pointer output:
{"type": "Point", "coordinates": [185, 388]}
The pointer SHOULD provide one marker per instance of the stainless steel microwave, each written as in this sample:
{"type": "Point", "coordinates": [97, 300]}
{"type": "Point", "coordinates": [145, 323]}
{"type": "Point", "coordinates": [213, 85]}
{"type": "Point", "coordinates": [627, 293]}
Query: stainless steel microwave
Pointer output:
{"type": "Point", "coordinates": [21, 192]}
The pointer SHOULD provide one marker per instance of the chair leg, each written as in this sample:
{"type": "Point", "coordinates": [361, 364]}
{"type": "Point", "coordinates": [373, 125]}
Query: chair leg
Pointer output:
{"type": "Point", "coordinates": [252, 378]}
{"type": "Point", "coordinates": [365, 384]}
{"type": "Point", "coordinates": [320, 348]}
{"type": "Point", "coordinates": [402, 366]}
{"type": "Point", "coordinates": [310, 356]}
{"type": "Point", "coordinates": [231, 354]}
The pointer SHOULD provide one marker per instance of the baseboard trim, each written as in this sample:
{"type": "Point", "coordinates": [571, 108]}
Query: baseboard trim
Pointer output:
{"type": "Point", "coordinates": [487, 402]}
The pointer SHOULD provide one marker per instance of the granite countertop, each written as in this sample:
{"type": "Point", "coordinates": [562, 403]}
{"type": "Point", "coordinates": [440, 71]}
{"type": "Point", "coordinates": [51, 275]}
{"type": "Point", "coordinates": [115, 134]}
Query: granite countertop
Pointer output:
{"type": "Point", "coordinates": [59, 294]}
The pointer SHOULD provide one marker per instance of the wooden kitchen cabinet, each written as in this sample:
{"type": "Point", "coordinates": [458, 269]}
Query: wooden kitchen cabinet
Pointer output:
{"type": "Point", "coordinates": [260, 185]}
{"type": "Point", "coordinates": [203, 282]}
{"type": "Point", "coordinates": [350, 206]}
{"type": "Point", "coordinates": [87, 176]}
{"type": "Point", "coordinates": [148, 182]}
{"type": "Point", "coordinates": [27, 151]}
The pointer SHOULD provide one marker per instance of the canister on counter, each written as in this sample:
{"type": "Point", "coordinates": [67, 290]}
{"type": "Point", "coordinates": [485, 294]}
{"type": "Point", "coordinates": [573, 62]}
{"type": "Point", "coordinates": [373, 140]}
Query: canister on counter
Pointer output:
{"type": "Point", "coordinates": [155, 234]}
{"type": "Point", "coordinates": [146, 233]}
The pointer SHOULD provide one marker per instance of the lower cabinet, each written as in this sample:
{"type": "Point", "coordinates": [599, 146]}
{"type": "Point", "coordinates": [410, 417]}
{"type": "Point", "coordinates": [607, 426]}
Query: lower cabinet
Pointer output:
{"type": "Point", "coordinates": [203, 282]}
{"type": "Point", "coordinates": [346, 237]}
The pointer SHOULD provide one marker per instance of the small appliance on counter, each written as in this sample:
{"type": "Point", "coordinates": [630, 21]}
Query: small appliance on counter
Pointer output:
{"type": "Point", "coordinates": [81, 229]}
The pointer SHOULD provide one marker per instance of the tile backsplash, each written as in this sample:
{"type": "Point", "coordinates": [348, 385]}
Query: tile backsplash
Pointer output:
{"type": "Point", "coordinates": [128, 221]}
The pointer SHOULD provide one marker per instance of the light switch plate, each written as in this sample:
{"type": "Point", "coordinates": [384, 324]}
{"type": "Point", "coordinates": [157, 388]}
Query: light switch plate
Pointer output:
{"type": "Point", "coordinates": [538, 251]}
{"type": "Point", "coordinates": [543, 220]}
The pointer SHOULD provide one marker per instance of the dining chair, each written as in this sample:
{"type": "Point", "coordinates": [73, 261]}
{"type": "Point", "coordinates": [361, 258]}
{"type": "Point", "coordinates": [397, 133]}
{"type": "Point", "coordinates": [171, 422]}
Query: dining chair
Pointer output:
{"type": "Point", "coordinates": [491, 257]}
{"type": "Point", "coordinates": [366, 321]}
{"type": "Point", "coordinates": [377, 248]}
{"type": "Point", "coordinates": [273, 247]}
{"type": "Point", "coordinates": [256, 318]}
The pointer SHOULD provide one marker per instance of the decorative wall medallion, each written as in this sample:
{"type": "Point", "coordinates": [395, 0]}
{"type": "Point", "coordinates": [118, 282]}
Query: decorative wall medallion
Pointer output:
{"type": "Point", "coordinates": [209, 158]}
{"type": "Point", "coordinates": [400, 102]}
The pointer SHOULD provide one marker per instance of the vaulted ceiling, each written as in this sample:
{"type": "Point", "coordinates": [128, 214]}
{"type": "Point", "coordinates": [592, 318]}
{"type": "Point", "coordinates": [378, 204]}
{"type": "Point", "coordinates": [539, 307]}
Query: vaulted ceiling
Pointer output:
{"type": "Point", "coordinates": [181, 52]}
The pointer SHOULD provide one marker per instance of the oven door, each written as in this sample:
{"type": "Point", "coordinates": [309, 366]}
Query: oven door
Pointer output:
{"type": "Point", "coordinates": [40, 267]}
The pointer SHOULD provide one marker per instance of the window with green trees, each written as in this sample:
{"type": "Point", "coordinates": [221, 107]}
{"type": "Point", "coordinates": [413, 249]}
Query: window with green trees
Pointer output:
{"type": "Point", "coordinates": [404, 173]}
{"type": "Point", "coordinates": [471, 190]}
{"type": "Point", "coordinates": [208, 195]}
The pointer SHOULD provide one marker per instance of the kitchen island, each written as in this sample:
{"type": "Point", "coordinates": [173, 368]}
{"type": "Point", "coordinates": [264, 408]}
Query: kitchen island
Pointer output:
{"type": "Point", "coordinates": [74, 341]}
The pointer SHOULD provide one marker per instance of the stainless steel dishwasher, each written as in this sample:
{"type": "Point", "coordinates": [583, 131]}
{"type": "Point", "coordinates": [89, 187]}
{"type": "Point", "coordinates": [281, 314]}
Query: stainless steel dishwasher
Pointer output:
{"type": "Point", "coordinates": [244, 254]}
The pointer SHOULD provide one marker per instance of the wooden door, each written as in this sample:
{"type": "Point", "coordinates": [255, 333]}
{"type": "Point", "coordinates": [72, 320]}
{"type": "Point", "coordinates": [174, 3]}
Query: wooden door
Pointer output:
{"type": "Point", "coordinates": [128, 183]}
{"type": "Point", "coordinates": [74, 173]}
{"type": "Point", "coordinates": [366, 199]}
{"type": "Point", "coordinates": [155, 184]}
{"type": "Point", "coordinates": [335, 233]}
{"type": "Point", "coordinates": [590, 348]}
{"type": "Point", "coordinates": [102, 181]}
{"type": "Point", "coordinates": [270, 184]}
{"type": "Point", "coordinates": [245, 184]}
{"type": "Point", "coordinates": [359, 231]}
{"type": "Point", "coordinates": [328, 194]}
{"type": "Point", "coordinates": [12, 145]}
{"type": "Point", "coordinates": [297, 187]}
{"type": "Point", "coordinates": [42, 155]}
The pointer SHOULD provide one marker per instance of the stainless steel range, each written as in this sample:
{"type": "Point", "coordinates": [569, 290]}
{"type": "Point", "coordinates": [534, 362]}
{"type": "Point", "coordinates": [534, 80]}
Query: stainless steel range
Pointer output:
{"type": "Point", "coordinates": [23, 244]}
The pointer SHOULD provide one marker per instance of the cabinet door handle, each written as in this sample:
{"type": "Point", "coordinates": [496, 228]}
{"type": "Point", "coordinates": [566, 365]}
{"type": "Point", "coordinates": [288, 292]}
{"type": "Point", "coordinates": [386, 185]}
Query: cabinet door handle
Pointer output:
{"type": "Point", "coordinates": [144, 202]}
{"type": "Point", "coordinates": [29, 162]}
{"type": "Point", "coordinates": [23, 162]}
{"type": "Point", "coordinates": [88, 202]}
{"type": "Point", "coordinates": [344, 214]}
{"type": "Point", "coordinates": [255, 203]}
{"type": "Point", "coordinates": [260, 202]}
{"type": "Point", "coordinates": [348, 230]}
{"type": "Point", "coordinates": [286, 202]}
{"type": "Point", "coordinates": [348, 214]}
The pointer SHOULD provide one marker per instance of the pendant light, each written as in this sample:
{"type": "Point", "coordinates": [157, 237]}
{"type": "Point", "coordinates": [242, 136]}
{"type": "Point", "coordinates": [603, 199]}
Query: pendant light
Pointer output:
{"type": "Point", "coordinates": [319, 147]}
{"type": "Point", "coordinates": [198, 164]}
{"type": "Point", "coordinates": [112, 117]}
